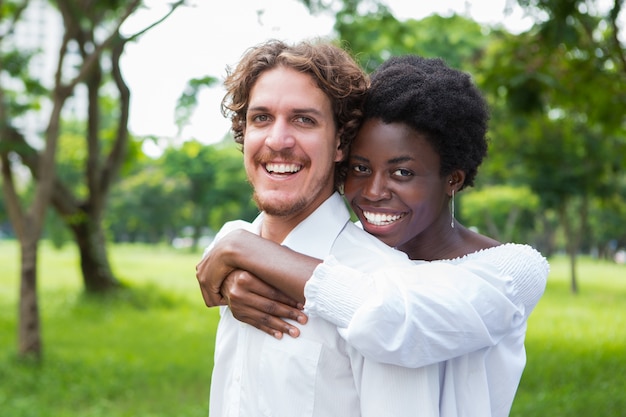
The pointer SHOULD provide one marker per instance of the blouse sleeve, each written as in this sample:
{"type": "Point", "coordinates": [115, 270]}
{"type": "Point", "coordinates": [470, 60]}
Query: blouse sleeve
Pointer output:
{"type": "Point", "coordinates": [429, 312]}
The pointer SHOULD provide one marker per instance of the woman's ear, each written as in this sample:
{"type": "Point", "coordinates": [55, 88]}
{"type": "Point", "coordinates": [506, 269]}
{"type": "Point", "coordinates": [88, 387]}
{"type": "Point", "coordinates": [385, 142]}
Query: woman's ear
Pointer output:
{"type": "Point", "coordinates": [456, 180]}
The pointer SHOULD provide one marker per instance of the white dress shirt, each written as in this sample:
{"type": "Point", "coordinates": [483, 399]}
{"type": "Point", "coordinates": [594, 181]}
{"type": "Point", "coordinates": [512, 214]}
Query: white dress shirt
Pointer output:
{"type": "Point", "coordinates": [317, 374]}
{"type": "Point", "coordinates": [473, 309]}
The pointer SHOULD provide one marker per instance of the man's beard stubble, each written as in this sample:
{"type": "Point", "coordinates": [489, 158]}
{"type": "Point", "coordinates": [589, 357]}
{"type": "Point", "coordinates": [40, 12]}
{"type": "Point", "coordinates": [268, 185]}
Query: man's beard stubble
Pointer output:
{"type": "Point", "coordinates": [279, 208]}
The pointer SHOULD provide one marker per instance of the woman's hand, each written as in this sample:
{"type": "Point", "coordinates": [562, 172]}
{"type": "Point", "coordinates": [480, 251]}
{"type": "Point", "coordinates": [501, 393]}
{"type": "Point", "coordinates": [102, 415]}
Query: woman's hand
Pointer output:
{"type": "Point", "coordinates": [254, 302]}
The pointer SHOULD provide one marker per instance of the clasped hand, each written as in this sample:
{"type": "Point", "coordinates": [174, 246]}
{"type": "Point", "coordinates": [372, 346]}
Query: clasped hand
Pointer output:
{"type": "Point", "coordinates": [250, 299]}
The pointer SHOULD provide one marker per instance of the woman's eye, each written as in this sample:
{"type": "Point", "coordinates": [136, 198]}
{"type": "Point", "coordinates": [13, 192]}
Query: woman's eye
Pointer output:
{"type": "Point", "coordinates": [360, 169]}
{"type": "Point", "coordinates": [401, 172]}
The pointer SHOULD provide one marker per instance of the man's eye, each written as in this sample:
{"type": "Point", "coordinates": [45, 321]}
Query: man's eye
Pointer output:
{"type": "Point", "coordinates": [261, 118]}
{"type": "Point", "coordinates": [305, 120]}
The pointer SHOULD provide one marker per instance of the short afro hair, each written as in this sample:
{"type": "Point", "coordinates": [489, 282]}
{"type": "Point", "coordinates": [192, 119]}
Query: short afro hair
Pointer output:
{"type": "Point", "coordinates": [437, 101]}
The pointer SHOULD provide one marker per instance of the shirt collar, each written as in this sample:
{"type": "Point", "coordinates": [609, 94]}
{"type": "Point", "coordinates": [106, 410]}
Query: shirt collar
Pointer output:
{"type": "Point", "coordinates": [316, 234]}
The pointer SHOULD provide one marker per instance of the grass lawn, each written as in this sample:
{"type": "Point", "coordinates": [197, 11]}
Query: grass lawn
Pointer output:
{"type": "Point", "coordinates": [576, 345]}
{"type": "Point", "coordinates": [147, 351]}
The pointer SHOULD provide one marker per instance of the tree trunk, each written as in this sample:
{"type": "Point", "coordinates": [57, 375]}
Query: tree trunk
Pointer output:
{"type": "Point", "coordinates": [571, 244]}
{"type": "Point", "coordinates": [94, 261]}
{"type": "Point", "coordinates": [572, 269]}
{"type": "Point", "coordinates": [29, 335]}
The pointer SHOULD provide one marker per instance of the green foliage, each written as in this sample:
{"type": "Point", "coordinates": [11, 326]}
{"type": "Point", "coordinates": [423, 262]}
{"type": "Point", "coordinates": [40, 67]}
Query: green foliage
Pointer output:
{"type": "Point", "coordinates": [375, 37]}
{"type": "Point", "coordinates": [218, 188]}
{"type": "Point", "coordinates": [504, 212]}
{"type": "Point", "coordinates": [147, 206]}
{"type": "Point", "coordinates": [188, 101]}
{"type": "Point", "coordinates": [192, 185]}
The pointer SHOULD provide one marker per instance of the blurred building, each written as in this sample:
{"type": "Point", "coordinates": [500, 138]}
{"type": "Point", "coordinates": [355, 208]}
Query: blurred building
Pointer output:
{"type": "Point", "coordinates": [40, 30]}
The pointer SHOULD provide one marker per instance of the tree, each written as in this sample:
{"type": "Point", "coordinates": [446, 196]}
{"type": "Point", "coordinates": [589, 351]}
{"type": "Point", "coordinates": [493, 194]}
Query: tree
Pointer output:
{"type": "Point", "coordinates": [91, 46]}
{"type": "Point", "coordinates": [563, 81]}
{"type": "Point", "coordinates": [148, 205]}
{"type": "Point", "coordinates": [503, 212]}
{"type": "Point", "coordinates": [217, 186]}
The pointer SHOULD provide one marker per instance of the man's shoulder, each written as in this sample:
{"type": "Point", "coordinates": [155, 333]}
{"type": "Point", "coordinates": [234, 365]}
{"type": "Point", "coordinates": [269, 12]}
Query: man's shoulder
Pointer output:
{"type": "Point", "coordinates": [227, 228]}
{"type": "Point", "coordinates": [356, 243]}
{"type": "Point", "coordinates": [233, 225]}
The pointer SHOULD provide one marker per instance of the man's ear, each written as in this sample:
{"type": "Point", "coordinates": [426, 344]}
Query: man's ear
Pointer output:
{"type": "Point", "coordinates": [341, 149]}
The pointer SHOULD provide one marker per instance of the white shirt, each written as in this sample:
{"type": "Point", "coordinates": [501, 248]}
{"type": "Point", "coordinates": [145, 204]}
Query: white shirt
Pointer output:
{"type": "Point", "coordinates": [411, 316]}
{"type": "Point", "coordinates": [318, 374]}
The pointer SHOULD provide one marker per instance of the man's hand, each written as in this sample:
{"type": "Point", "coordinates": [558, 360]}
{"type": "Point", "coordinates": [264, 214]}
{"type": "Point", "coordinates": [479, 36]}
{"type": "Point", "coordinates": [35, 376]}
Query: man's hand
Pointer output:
{"type": "Point", "coordinates": [210, 273]}
{"type": "Point", "coordinates": [254, 302]}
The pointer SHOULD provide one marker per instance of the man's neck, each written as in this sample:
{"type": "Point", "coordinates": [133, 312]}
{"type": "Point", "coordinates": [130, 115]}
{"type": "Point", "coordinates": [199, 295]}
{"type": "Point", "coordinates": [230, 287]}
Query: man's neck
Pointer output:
{"type": "Point", "coordinates": [277, 228]}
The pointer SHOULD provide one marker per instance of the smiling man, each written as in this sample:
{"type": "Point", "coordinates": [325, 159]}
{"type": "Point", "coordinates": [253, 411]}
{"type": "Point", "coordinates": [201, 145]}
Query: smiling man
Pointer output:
{"type": "Point", "coordinates": [295, 109]}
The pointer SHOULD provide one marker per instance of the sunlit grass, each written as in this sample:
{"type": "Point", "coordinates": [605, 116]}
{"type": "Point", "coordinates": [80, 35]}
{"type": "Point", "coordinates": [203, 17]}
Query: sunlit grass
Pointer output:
{"type": "Point", "coordinates": [576, 345]}
{"type": "Point", "coordinates": [148, 350]}
{"type": "Point", "coordinates": [145, 351]}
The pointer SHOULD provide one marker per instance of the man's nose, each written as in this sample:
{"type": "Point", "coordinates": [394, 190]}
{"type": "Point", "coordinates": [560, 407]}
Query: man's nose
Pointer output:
{"type": "Point", "coordinates": [281, 135]}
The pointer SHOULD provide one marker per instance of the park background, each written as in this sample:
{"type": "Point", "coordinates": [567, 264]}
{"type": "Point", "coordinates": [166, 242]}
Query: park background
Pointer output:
{"type": "Point", "coordinates": [102, 222]}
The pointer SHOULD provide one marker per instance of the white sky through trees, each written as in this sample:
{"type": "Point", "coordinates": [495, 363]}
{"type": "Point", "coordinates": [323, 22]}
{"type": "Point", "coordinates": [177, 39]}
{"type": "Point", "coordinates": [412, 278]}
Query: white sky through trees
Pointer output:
{"type": "Point", "coordinates": [204, 39]}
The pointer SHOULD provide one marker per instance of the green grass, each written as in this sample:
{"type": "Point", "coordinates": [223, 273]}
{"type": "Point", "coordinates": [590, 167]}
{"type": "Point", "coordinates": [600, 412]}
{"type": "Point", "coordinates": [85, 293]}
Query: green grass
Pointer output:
{"type": "Point", "coordinates": [576, 345]}
{"type": "Point", "coordinates": [147, 351]}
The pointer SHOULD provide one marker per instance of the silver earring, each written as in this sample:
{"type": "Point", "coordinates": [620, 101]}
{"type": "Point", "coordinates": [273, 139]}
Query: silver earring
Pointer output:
{"type": "Point", "coordinates": [452, 220]}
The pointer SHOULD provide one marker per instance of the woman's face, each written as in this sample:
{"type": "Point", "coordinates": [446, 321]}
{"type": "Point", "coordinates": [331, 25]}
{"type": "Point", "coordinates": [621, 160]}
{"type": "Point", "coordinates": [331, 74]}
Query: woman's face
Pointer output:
{"type": "Point", "coordinates": [393, 183]}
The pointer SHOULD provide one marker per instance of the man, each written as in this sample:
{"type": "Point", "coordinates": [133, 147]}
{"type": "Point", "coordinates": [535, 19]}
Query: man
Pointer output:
{"type": "Point", "coordinates": [294, 110]}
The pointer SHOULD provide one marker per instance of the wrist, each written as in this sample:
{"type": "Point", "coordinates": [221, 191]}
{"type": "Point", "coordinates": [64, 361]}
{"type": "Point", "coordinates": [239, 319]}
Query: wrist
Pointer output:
{"type": "Point", "coordinates": [234, 248]}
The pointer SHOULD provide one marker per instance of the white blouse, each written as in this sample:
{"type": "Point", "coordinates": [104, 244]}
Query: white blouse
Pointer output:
{"type": "Point", "coordinates": [467, 315]}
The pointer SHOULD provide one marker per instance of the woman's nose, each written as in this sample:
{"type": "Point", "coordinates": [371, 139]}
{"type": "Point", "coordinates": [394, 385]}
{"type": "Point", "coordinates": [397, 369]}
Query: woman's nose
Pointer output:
{"type": "Point", "coordinates": [376, 188]}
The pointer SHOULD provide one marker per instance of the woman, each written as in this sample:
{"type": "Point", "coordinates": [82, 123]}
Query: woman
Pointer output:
{"type": "Point", "coordinates": [465, 302]}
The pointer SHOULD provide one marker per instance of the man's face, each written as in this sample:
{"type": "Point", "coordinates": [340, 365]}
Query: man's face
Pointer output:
{"type": "Point", "coordinates": [290, 144]}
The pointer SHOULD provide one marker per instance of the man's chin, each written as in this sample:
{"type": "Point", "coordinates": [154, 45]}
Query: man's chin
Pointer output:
{"type": "Point", "coordinates": [279, 205]}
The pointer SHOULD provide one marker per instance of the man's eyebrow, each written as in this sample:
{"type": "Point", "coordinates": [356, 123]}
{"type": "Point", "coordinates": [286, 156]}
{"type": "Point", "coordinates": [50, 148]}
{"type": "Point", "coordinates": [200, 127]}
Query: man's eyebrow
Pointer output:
{"type": "Point", "coordinates": [297, 110]}
{"type": "Point", "coordinates": [257, 108]}
{"type": "Point", "coordinates": [307, 110]}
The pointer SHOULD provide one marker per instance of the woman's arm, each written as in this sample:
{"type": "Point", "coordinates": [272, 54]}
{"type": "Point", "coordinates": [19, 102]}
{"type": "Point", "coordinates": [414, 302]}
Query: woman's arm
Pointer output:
{"type": "Point", "coordinates": [432, 311]}
{"type": "Point", "coordinates": [262, 282]}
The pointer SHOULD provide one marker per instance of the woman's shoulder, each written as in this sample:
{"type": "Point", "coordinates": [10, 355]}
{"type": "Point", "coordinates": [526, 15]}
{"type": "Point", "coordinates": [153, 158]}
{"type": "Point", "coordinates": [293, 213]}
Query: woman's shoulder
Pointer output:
{"type": "Point", "coordinates": [513, 254]}
{"type": "Point", "coordinates": [520, 265]}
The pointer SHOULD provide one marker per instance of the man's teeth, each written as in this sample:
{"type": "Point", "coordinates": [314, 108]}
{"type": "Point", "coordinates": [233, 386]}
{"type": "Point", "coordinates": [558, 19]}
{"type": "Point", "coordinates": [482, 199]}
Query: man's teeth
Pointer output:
{"type": "Point", "coordinates": [379, 219]}
{"type": "Point", "coordinates": [283, 168]}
